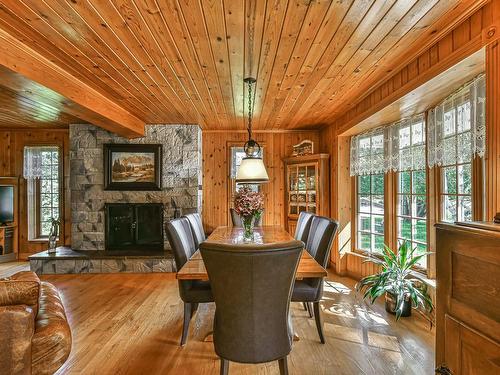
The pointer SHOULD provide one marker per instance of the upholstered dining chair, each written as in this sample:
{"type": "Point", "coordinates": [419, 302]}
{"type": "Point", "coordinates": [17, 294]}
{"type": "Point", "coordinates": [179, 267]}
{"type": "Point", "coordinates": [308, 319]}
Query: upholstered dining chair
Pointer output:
{"type": "Point", "coordinates": [303, 226]}
{"type": "Point", "coordinates": [301, 234]}
{"type": "Point", "coordinates": [236, 219]}
{"type": "Point", "coordinates": [252, 300]}
{"type": "Point", "coordinates": [319, 241]}
{"type": "Point", "coordinates": [197, 228]}
{"type": "Point", "coordinates": [192, 292]}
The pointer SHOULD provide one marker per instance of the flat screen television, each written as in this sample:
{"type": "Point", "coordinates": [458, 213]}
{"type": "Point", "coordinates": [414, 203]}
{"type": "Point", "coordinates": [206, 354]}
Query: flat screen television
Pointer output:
{"type": "Point", "coordinates": [6, 204]}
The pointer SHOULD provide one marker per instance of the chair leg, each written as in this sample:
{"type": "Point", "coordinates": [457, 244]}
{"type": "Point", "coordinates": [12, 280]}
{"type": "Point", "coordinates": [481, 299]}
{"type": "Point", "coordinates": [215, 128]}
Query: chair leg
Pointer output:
{"type": "Point", "coordinates": [305, 306]}
{"type": "Point", "coordinates": [188, 307]}
{"type": "Point", "coordinates": [309, 309]}
{"type": "Point", "coordinates": [224, 366]}
{"type": "Point", "coordinates": [319, 322]}
{"type": "Point", "coordinates": [194, 308]}
{"type": "Point", "coordinates": [283, 366]}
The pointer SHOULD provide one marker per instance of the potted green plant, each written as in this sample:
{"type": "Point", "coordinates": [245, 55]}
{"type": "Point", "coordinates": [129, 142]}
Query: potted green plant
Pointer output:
{"type": "Point", "coordinates": [395, 281]}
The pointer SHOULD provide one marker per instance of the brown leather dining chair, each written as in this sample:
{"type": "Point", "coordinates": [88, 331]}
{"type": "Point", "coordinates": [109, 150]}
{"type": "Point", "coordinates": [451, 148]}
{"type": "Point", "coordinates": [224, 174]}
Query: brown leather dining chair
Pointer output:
{"type": "Point", "coordinates": [197, 228]}
{"type": "Point", "coordinates": [252, 300]}
{"type": "Point", "coordinates": [236, 220]}
{"type": "Point", "coordinates": [319, 242]}
{"type": "Point", "coordinates": [192, 292]}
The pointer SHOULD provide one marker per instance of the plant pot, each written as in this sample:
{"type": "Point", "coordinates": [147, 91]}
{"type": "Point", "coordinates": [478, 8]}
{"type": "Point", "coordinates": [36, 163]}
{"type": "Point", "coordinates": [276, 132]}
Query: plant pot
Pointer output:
{"type": "Point", "coordinates": [390, 305]}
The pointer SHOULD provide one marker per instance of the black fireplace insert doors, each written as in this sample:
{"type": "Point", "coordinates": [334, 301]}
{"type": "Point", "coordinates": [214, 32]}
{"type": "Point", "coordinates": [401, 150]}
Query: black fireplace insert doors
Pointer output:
{"type": "Point", "coordinates": [134, 226]}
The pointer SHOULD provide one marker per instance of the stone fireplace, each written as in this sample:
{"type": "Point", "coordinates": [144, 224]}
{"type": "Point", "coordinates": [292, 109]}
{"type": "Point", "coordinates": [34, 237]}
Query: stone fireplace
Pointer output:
{"type": "Point", "coordinates": [181, 182]}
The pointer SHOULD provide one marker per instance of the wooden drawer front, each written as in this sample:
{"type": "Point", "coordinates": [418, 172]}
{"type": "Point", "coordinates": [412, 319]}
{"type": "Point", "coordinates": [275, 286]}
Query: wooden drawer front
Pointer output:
{"type": "Point", "coordinates": [467, 352]}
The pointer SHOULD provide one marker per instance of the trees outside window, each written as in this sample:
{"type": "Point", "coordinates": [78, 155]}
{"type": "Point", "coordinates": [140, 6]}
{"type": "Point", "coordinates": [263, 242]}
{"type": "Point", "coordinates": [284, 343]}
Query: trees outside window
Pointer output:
{"type": "Point", "coordinates": [456, 171]}
{"type": "Point", "coordinates": [370, 213]}
{"type": "Point", "coordinates": [44, 195]}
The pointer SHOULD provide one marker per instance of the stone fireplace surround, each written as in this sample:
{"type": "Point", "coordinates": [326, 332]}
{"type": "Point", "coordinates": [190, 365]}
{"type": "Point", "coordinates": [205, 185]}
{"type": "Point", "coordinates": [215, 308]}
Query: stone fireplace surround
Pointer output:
{"type": "Point", "coordinates": [181, 180]}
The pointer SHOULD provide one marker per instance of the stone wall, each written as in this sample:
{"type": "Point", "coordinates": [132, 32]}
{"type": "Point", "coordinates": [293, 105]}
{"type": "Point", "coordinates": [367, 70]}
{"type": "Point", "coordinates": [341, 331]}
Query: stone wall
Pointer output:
{"type": "Point", "coordinates": [181, 177]}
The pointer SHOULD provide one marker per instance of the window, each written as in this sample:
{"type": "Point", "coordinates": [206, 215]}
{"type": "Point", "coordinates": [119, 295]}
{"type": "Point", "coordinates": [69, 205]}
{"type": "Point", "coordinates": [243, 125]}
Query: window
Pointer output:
{"type": "Point", "coordinates": [412, 187]}
{"type": "Point", "coordinates": [456, 134]}
{"type": "Point", "coordinates": [456, 171]}
{"type": "Point", "coordinates": [371, 213]}
{"type": "Point", "coordinates": [237, 155]}
{"type": "Point", "coordinates": [44, 194]}
{"type": "Point", "coordinates": [370, 196]}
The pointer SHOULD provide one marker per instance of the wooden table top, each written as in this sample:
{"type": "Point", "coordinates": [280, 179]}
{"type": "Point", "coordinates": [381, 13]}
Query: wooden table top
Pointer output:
{"type": "Point", "coordinates": [194, 269]}
{"type": "Point", "coordinates": [266, 234]}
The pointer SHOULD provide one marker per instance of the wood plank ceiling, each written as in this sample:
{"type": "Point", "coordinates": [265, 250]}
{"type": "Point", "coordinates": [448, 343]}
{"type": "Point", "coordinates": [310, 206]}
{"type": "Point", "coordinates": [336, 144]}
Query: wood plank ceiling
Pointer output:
{"type": "Point", "coordinates": [184, 61]}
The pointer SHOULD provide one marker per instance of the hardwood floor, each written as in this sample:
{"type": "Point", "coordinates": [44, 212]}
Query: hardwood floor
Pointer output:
{"type": "Point", "coordinates": [131, 324]}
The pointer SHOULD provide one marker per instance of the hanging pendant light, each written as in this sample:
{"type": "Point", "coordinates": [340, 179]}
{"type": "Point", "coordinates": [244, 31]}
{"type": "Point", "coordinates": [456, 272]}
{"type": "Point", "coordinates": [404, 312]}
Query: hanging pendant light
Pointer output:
{"type": "Point", "coordinates": [251, 169]}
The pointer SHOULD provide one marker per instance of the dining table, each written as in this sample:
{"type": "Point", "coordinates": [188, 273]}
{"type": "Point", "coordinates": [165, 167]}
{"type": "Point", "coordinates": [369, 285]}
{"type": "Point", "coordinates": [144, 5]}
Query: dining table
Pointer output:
{"type": "Point", "coordinates": [194, 268]}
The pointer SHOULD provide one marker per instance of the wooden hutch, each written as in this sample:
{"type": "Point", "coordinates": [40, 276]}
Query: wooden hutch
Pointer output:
{"type": "Point", "coordinates": [307, 187]}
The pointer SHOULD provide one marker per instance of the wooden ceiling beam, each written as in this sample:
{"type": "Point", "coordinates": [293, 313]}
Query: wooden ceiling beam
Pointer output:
{"type": "Point", "coordinates": [99, 109]}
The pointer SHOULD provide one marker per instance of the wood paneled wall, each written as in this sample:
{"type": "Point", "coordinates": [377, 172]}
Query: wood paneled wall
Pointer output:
{"type": "Point", "coordinates": [216, 153]}
{"type": "Point", "coordinates": [12, 144]}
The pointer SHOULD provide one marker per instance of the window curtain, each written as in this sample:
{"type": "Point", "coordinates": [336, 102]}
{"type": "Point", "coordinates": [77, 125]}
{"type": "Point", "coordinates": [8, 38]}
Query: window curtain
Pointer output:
{"type": "Point", "coordinates": [396, 147]}
{"type": "Point", "coordinates": [457, 126]}
{"type": "Point", "coordinates": [32, 166]}
{"type": "Point", "coordinates": [369, 153]}
{"type": "Point", "coordinates": [407, 144]}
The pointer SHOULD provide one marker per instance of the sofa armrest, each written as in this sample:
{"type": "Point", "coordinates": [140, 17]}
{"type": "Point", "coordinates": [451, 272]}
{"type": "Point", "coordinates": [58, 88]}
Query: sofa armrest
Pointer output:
{"type": "Point", "coordinates": [17, 326]}
{"type": "Point", "coordinates": [23, 288]}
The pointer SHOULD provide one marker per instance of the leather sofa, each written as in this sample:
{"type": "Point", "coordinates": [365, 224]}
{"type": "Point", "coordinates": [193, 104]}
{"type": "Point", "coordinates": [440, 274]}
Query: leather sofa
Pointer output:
{"type": "Point", "coordinates": [35, 336]}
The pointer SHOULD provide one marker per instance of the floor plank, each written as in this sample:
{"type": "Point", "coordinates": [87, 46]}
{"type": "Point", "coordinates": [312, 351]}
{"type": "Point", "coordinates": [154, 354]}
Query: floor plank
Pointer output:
{"type": "Point", "coordinates": [131, 324]}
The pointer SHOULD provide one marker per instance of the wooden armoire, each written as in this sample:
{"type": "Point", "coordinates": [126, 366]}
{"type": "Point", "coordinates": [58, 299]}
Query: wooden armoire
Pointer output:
{"type": "Point", "coordinates": [468, 298]}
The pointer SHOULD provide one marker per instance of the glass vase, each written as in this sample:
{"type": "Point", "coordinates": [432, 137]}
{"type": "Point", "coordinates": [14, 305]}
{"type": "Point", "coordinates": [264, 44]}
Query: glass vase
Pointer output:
{"type": "Point", "coordinates": [248, 223]}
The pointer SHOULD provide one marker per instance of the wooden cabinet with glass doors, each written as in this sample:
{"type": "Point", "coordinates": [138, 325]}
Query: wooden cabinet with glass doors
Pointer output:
{"type": "Point", "coordinates": [307, 187]}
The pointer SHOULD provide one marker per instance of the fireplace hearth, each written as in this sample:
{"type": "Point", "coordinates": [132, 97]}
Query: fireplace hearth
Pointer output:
{"type": "Point", "coordinates": [134, 227]}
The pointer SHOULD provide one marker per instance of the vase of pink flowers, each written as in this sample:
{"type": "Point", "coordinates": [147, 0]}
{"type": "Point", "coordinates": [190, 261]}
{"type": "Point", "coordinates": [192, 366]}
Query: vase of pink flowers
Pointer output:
{"type": "Point", "coordinates": [249, 205]}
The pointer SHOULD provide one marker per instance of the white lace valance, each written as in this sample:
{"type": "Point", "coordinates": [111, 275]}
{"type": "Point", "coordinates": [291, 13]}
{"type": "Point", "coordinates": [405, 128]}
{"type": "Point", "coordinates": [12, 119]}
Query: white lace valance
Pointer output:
{"type": "Point", "coordinates": [456, 128]}
{"type": "Point", "coordinates": [368, 153]}
{"type": "Point", "coordinates": [397, 147]}
{"type": "Point", "coordinates": [33, 160]}
{"type": "Point", "coordinates": [407, 144]}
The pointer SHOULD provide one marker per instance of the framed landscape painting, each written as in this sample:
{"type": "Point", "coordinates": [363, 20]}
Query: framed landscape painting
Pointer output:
{"type": "Point", "coordinates": [132, 167]}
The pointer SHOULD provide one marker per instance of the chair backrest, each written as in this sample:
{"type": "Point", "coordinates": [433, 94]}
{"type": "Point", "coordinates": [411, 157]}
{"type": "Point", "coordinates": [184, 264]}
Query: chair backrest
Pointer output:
{"type": "Point", "coordinates": [236, 219]}
{"type": "Point", "coordinates": [303, 226]}
{"type": "Point", "coordinates": [321, 235]}
{"type": "Point", "coordinates": [197, 228]}
{"type": "Point", "coordinates": [252, 289]}
{"type": "Point", "coordinates": [180, 237]}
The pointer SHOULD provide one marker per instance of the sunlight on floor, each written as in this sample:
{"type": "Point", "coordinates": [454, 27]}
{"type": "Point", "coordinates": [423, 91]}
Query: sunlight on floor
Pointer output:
{"type": "Point", "coordinates": [336, 287]}
{"type": "Point", "coordinates": [347, 310]}
{"type": "Point", "coordinates": [382, 341]}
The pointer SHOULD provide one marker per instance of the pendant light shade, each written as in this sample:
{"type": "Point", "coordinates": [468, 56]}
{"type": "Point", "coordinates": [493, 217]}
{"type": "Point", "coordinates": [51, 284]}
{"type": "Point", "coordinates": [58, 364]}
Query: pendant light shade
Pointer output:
{"type": "Point", "coordinates": [251, 169]}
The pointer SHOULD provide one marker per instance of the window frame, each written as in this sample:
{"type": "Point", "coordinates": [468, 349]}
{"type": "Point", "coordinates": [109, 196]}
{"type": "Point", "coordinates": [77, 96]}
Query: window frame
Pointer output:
{"type": "Point", "coordinates": [33, 203]}
{"type": "Point", "coordinates": [428, 220]}
{"type": "Point", "coordinates": [434, 208]}
{"type": "Point", "coordinates": [231, 186]}
{"type": "Point", "coordinates": [356, 213]}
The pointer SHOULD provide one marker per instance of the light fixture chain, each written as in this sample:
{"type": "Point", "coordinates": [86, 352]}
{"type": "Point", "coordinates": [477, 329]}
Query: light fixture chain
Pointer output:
{"type": "Point", "coordinates": [250, 109]}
